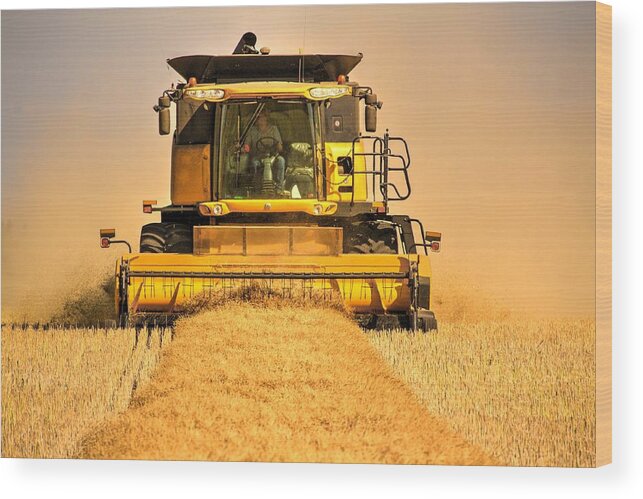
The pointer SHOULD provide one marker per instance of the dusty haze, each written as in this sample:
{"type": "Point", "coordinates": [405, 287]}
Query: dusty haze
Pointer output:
{"type": "Point", "coordinates": [496, 101]}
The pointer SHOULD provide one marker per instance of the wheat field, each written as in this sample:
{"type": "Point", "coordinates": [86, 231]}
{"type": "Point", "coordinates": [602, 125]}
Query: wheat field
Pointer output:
{"type": "Point", "coordinates": [520, 389]}
{"type": "Point", "coordinates": [281, 380]}
{"type": "Point", "coordinates": [58, 384]}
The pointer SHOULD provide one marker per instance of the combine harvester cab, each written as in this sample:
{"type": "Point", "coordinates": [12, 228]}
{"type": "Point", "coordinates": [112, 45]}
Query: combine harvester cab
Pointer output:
{"type": "Point", "coordinates": [273, 184]}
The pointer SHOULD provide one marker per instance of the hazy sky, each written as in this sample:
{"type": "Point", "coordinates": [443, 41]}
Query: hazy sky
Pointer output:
{"type": "Point", "coordinates": [496, 101]}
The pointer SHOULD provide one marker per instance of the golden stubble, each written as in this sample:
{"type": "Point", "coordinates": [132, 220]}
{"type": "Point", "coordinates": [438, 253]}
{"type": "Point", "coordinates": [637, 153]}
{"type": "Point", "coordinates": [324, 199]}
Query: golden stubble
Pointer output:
{"type": "Point", "coordinates": [523, 390]}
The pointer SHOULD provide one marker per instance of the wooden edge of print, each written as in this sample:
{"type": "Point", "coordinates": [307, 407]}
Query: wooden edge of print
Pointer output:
{"type": "Point", "coordinates": [603, 234]}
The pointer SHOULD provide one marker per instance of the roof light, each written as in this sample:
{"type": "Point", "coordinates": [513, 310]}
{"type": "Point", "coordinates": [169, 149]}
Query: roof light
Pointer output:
{"type": "Point", "coordinates": [199, 93]}
{"type": "Point", "coordinates": [326, 92]}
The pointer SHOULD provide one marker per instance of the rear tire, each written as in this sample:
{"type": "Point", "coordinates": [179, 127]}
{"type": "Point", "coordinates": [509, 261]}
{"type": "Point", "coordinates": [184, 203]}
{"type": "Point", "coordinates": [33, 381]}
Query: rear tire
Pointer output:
{"type": "Point", "coordinates": [163, 237]}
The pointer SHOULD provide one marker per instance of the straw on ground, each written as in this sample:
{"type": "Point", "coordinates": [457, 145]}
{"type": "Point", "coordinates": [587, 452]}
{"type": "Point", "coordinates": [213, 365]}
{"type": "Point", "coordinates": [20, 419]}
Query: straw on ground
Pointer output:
{"type": "Point", "coordinates": [277, 383]}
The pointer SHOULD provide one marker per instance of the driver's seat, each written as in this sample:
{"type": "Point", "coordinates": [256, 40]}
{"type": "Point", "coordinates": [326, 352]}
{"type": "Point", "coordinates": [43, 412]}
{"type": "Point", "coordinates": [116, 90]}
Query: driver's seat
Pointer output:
{"type": "Point", "coordinates": [300, 170]}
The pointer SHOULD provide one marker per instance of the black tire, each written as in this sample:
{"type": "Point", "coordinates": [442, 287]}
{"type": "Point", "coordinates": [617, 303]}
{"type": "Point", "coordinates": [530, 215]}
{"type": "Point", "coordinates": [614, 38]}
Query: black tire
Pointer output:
{"type": "Point", "coordinates": [370, 237]}
{"type": "Point", "coordinates": [178, 238]}
{"type": "Point", "coordinates": [153, 238]}
{"type": "Point", "coordinates": [166, 238]}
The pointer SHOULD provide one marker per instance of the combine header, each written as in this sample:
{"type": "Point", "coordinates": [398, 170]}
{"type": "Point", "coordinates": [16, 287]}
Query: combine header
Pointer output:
{"type": "Point", "coordinates": [274, 183]}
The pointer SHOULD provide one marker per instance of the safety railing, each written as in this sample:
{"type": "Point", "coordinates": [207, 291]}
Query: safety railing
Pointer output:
{"type": "Point", "coordinates": [423, 244]}
{"type": "Point", "coordinates": [383, 165]}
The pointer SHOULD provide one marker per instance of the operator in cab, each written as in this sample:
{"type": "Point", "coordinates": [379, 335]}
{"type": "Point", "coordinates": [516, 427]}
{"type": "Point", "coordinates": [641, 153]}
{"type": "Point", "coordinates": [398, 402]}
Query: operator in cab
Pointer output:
{"type": "Point", "coordinates": [262, 142]}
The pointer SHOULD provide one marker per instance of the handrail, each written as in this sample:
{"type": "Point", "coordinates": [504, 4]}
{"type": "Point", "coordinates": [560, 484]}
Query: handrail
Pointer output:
{"type": "Point", "coordinates": [380, 156]}
{"type": "Point", "coordinates": [423, 243]}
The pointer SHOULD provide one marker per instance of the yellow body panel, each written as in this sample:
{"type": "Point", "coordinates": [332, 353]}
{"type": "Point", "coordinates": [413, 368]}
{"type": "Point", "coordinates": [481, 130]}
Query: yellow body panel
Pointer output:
{"type": "Point", "coordinates": [169, 287]}
{"type": "Point", "coordinates": [190, 174]}
{"type": "Point", "coordinates": [268, 206]}
{"type": "Point", "coordinates": [338, 182]}
{"type": "Point", "coordinates": [249, 240]}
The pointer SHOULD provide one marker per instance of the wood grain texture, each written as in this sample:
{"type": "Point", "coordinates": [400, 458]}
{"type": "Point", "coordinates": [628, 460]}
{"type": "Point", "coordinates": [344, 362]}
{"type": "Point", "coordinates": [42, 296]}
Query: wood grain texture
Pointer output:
{"type": "Point", "coordinates": [603, 234]}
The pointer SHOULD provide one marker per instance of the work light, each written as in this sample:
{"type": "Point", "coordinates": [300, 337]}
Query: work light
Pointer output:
{"type": "Point", "coordinates": [199, 93]}
{"type": "Point", "coordinates": [323, 92]}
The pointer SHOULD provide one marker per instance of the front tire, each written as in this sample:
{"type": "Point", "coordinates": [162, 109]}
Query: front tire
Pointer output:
{"type": "Point", "coordinates": [370, 237]}
{"type": "Point", "coordinates": [163, 237]}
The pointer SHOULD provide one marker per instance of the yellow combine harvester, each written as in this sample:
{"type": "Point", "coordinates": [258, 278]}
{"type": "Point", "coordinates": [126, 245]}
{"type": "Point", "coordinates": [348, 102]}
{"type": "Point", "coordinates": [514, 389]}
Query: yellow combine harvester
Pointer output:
{"type": "Point", "coordinates": [273, 183]}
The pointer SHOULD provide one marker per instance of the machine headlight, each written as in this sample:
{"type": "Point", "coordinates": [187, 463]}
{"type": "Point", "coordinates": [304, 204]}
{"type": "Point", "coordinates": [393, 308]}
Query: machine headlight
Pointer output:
{"type": "Point", "coordinates": [212, 209]}
{"type": "Point", "coordinates": [198, 93]}
{"type": "Point", "coordinates": [323, 92]}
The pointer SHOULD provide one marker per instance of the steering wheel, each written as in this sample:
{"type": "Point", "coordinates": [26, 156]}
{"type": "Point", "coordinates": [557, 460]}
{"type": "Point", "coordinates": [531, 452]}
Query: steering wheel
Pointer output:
{"type": "Point", "coordinates": [266, 145]}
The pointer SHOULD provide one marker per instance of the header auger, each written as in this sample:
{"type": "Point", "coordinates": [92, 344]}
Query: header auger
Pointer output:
{"type": "Point", "coordinates": [274, 183]}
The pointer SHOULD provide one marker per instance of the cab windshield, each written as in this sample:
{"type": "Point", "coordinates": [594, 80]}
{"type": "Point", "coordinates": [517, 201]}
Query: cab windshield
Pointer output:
{"type": "Point", "coordinates": [268, 149]}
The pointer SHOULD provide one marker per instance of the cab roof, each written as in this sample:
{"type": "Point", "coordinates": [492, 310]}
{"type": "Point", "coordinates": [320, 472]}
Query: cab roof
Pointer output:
{"type": "Point", "coordinates": [245, 67]}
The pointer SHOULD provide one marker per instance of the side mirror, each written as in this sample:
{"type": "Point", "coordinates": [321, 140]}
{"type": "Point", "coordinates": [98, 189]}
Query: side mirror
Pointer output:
{"type": "Point", "coordinates": [164, 101]}
{"type": "Point", "coordinates": [164, 121]}
{"type": "Point", "coordinates": [370, 118]}
{"type": "Point", "coordinates": [370, 112]}
{"type": "Point", "coordinates": [163, 108]}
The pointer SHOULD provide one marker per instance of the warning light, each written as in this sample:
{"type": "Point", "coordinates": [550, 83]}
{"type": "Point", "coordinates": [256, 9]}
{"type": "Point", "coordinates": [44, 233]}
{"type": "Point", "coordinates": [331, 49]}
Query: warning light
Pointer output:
{"type": "Point", "coordinates": [148, 206]}
{"type": "Point", "coordinates": [434, 239]}
{"type": "Point", "coordinates": [108, 233]}
{"type": "Point", "coordinates": [106, 239]}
